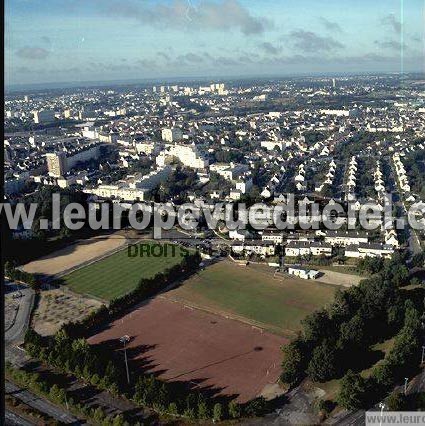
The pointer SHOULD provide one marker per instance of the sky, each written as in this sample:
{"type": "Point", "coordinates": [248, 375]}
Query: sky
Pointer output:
{"type": "Point", "coordinates": [50, 41]}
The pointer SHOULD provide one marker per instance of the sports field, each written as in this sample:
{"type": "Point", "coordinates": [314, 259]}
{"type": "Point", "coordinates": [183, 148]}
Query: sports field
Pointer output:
{"type": "Point", "coordinates": [253, 295]}
{"type": "Point", "coordinates": [75, 254]}
{"type": "Point", "coordinates": [119, 273]}
{"type": "Point", "coordinates": [208, 352]}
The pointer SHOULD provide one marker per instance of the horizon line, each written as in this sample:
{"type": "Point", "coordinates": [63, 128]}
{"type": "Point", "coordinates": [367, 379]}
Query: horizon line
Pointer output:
{"type": "Point", "coordinates": [16, 87]}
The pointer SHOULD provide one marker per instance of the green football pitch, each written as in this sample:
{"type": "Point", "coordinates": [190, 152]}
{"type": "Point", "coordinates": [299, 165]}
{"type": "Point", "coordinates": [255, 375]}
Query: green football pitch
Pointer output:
{"type": "Point", "coordinates": [118, 274]}
{"type": "Point", "coordinates": [252, 294]}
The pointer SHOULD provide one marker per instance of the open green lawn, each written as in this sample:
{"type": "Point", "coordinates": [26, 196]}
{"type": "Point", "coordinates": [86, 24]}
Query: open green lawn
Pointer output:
{"type": "Point", "coordinates": [253, 294]}
{"type": "Point", "coordinates": [119, 273]}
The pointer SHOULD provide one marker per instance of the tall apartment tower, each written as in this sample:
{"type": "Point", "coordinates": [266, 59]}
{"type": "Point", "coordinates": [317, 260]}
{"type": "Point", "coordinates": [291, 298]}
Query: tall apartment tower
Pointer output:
{"type": "Point", "coordinates": [56, 164]}
{"type": "Point", "coordinates": [171, 134]}
{"type": "Point", "coordinates": [44, 116]}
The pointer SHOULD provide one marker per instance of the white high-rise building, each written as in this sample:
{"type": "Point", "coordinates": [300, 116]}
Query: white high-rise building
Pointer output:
{"type": "Point", "coordinates": [56, 164]}
{"type": "Point", "coordinates": [171, 134]}
{"type": "Point", "coordinates": [44, 116]}
{"type": "Point", "coordinates": [187, 154]}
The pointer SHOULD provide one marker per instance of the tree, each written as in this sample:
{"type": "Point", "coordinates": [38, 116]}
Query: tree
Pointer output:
{"type": "Point", "coordinates": [352, 393]}
{"type": "Point", "coordinates": [234, 410]}
{"type": "Point", "coordinates": [322, 365]}
{"type": "Point", "coordinates": [217, 412]}
{"type": "Point", "coordinates": [98, 415]}
{"type": "Point", "coordinates": [189, 413]}
{"type": "Point", "coordinates": [396, 401]}
{"type": "Point", "coordinates": [54, 391]}
{"type": "Point", "coordinates": [383, 374]}
{"type": "Point", "coordinates": [256, 407]}
{"type": "Point", "coordinates": [352, 331]}
{"type": "Point", "coordinates": [418, 259]}
{"type": "Point", "coordinates": [293, 362]}
{"type": "Point", "coordinates": [172, 409]}
{"type": "Point", "coordinates": [203, 410]}
{"type": "Point", "coordinates": [316, 326]}
{"type": "Point", "coordinates": [95, 379]}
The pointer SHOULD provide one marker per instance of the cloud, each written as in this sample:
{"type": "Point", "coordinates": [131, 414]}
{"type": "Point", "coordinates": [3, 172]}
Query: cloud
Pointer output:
{"type": "Point", "coordinates": [330, 26]}
{"type": "Point", "coordinates": [22, 70]}
{"type": "Point", "coordinates": [33, 53]}
{"type": "Point", "coordinates": [46, 40]}
{"type": "Point", "coordinates": [224, 15]}
{"type": "Point", "coordinates": [185, 60]}
{"type": "Point", "coordinates": [269, 48]}
{"type": "Point", "coordinates": [147, 64]}
{"type": "Point", "coordinates": [191, 57]}
{"type": "Point", "coordinates": [392, 22]}
{"type": "Point", "coordinates": [163, 55]}
{"type": "Point", "coordinates": [389, 44]}
{"type": "Point", "coordinates": [307, 41]}
{"type": "Point", "coordinates": [246, 59]}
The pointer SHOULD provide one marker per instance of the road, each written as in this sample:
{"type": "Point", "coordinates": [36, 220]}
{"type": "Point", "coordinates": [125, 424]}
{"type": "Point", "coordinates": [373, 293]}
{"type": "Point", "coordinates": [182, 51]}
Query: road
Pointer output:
{"type": "Point", "coordinates": [14, 336]}
{"type": "Point", "coordinates": [414, 243]}
{"type": "Point", "coordinates": [16, 333]}
{"type": "Point", "coordinates": [40, 404]}
{"type": "Point", "coordinates": [417, 384]}
{"type": "Point", "coordinates": [12, 419]}
{"type": "Point", "coordinates": [413, 240]}
{"type": "Point", "coordinates": [348, 418]}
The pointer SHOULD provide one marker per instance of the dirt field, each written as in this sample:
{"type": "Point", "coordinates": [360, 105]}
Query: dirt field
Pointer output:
{"type": "Point", "coordinates": [339, 278]}
{"type": "Point", "coordinates": [57, 307]}
{"type": "Point", "coordinates": [206, 350]}
{"type": "Point", "coordinates": [74, 255]}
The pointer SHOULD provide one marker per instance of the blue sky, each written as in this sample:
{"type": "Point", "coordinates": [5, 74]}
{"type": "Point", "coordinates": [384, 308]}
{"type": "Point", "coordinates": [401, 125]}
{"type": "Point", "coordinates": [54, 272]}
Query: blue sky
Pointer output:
{"type": "Point", "coordinates": [89, 40]}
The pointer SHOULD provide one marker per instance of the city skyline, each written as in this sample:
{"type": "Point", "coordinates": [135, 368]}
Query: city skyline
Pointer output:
{"type": "Point", "coordinates": [133, 40]}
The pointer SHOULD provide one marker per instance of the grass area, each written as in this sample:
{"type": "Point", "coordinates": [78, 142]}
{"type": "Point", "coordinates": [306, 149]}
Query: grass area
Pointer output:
{"type": "Point", "coordinates": [120, 273]}
{"type": "Point", "coordinates": [384, 347]}
{"type": "Point", "coordinates": [253, 294]}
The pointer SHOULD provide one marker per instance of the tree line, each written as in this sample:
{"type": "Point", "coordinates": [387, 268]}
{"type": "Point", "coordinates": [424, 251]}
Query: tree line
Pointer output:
{"type": "Point", "coordinates": [14, 274]}
{"type": "Point", "coordinates": [59, 395]}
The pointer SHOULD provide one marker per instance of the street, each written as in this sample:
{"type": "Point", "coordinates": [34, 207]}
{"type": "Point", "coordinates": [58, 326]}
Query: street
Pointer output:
{"type": "Point", "coordinates": [40, 404]}
{"type": "Point", "coordinates": [16, 333]}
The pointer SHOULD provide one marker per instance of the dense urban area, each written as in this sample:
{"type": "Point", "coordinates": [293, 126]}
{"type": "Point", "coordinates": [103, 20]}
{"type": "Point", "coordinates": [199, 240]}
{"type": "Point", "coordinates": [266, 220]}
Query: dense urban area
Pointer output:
{"type": "Point", "coordinates": [287, 326]}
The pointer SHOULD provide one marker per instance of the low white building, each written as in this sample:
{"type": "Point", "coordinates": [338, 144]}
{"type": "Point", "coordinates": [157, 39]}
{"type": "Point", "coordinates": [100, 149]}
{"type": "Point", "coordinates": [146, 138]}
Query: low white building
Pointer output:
{"type": "Point", "coordinates": [261, 248]}
{"type": "Point", "coordinates": [275, 237]}
{"type": "Point", "coordinates": [305, 273]}
{"type": "Point", "coordinates": [363, 250]}
{"type": "Point", "coordinates": [345, 238]}
{"type": "Point", "coordinates": [305, 248]}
